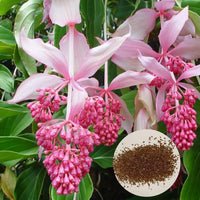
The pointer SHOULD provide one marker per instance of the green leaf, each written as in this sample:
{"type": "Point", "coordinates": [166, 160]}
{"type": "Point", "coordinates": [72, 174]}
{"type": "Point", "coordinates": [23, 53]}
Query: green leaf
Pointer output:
{"type": "Point", "coordinates": [190, 3]}
{"type": "Point", "coordinates": [30, 182]}
{"type": "Point", "coordinates": [6, 36]}
{"type": "Point", "coordinates": [5, 56]}
{"type": "Point", "coordinates": [125, 9]}
{"type": "Point", "coordinates": [20, 149]}
{"type": "Point", "coordinates": [6, 23]}
{"type": "Point", "coordinates": [58, 34]}
{"type": "Point", "coordinates": [85, 191]}
{"type": "Point", "coordinates": [19, 145]}
{"type": "Point", "coordinates": [93, 13]}
{"type": "Point", "coordinates": [19, 64]}
{"type": "Point", "coordinates": [14, 125]}
{"type": "Point", "coordinates": [25, 17]}
{"type": "Point", "coordinates": [11, 158]}
{"type": "Point", "coordinates": [5, 5]}
{"type": "Point", "coordinates": [8, 110]}
{"type": "Point", "coordinates": [103, 155]}
{"type": "Point", "coordinates": [6, 79]}
{"type": "Point", "coordinates": [191, 161]}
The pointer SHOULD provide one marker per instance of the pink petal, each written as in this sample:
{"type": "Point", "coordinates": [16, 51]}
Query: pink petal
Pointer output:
{"type": "Point", "coordinates": [171, 29]}
{"type": "Point", "coordinates": [130, 49]}
{"type": "Point", "coordinates": [142, 120]}
{"type": "Point", "coordinates": [159, 100]}
{"type": "Point", "coordinates": [164, 5]}
{"type": "Point", "coordinates": [152, 65]}
{"type": "Point", "coordinates": [27, 89]}
{"type": "Point", "coordinates": [141, 23]}
{"type": "Point", "coordinates": [130, 78]}
{"type": "Point", "coordinates": [127, 63]}
{"type": "Point", "coordinates": [194, 71]}
{"type": "Point", "coordinates": [126, 56]}
{"type": "Point", "coordinates": [88, 82]}
{"type": "Point", "coordinates": [78, 100]}
{"type": "Point", "coordinates": [97, 56]}
{"type": "Point", "coordinates": [65, 12]}
{"type": "Point", "coordinates": [188, 49]}
{"type": "Point", "coordinates": [44, 53]}
{"type": "Point", "coordinates": [80, 48]}
{"type": "Point", "coordinates": [127, 124]}
{"type": "Point", "coordinates": [188, 28]}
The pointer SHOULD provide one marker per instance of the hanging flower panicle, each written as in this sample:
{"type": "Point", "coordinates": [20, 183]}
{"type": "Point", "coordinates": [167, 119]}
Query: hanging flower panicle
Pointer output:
{"type": "Point", "coordinates": [46, 104]}
{"type": "Point", "coordinates": [67, 146]}
{"type": "Point", "coordinates": [180, 119]}
{"type": "Point", "coordinates": [66, 167]}
{"type": "Point", "coordinates": [104, 116]}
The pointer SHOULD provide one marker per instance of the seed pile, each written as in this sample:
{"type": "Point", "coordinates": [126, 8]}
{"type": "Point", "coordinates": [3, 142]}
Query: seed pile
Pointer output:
{"type": "Point", "coordinates": [145, 164]}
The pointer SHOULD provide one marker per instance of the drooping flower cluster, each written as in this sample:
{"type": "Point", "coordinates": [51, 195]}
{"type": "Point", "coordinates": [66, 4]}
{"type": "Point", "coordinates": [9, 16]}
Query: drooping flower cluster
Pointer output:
{"type": "Point", "coordinates": [47, 103]}
{"type": "Point", "coordinates": [67, 146]}
{"type": "Point", "coordinates": [104, 116]}
{"type": "Point", "coordinates": [180, 119]}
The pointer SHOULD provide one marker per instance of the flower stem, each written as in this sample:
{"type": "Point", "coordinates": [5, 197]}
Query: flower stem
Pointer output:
{"type": "Point", "coordinates": [105, 38]}
{"type": "Point", "coordinates": [74, 196]}
{"type": "Point", "coordinates": [71, 69]}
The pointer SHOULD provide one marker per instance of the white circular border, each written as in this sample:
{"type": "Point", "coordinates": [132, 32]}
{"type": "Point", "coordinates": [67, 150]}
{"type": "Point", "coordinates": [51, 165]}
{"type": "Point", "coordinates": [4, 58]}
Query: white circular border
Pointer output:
{"type": "Point", "coordinates": [141, 138]}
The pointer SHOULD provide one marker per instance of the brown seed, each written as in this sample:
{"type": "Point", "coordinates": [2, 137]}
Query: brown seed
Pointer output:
{"type": "Point", "coordinates": [146, 163]}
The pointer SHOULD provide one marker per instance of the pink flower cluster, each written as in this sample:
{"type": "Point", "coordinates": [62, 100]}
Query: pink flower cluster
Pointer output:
{"type": "Point", "coordinates": [180, 119]}
{"type": "Point", "coordinates": [104, 116]}
{"type": "Point", "coordinates": [67, 146]}
{"type": "Point", "coordinates": [47, 103]}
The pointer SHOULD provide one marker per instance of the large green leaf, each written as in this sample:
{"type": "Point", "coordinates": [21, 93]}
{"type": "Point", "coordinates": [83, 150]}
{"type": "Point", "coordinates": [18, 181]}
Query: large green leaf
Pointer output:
{"type": "Point", "coordinates": [93, 13]}
{"type": "Point", "coordinates": [25, 18]}
{"type": "Point", "coordinates": [14, 125]}
{"type": "Point", "coordinates": [85, 191]}
{"type": "Point", "coordinates": [8, 110]}
{"type": "Point", "coordinates": [30, 182]}
{"type": "Point", "coordinates": [191, 160]}
{"type": "Point", "coordinates": [18, 144]}
{"type": "Point", "coordinates": [11, 158]}
{"type": "Point", "coordinates": [6, 79]}
{"type": "Point", "coordinates": [13, 149]}
{"type": "Point", "coordinates": [5, 5]}
{"type": "Point", "coordinates": [103, 155]}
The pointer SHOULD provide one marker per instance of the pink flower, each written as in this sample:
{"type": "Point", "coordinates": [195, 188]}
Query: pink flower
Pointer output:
{"type": "Point", "coordinates": [127, 55]}
{"type": "Point", "coordinates": [75, 68]}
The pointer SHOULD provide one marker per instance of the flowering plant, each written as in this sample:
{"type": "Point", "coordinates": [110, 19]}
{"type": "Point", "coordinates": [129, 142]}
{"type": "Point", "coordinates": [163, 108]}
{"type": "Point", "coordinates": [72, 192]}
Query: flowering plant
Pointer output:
{"type": "Point", "coordinates": [77, 76]}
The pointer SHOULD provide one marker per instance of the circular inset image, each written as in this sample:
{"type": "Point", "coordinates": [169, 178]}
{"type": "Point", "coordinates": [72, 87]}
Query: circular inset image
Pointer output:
{"type": "Point", "coordinates": [146, 163]}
